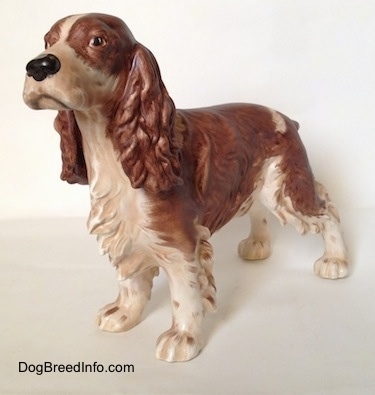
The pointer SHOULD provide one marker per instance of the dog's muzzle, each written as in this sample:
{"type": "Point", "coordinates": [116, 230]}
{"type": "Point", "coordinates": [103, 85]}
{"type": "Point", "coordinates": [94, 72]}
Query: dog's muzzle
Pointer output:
{"type": "Point", "coordinates": [42, 67]}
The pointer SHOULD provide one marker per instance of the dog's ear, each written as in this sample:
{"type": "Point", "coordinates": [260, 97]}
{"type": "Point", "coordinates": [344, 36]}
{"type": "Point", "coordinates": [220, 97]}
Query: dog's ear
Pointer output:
{"type": "Point", "coordinates": [142, 127]}
{"type": "Point", "coordinates": [73, 162]}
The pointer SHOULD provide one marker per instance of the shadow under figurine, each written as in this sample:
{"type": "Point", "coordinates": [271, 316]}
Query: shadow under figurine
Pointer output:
{"type": "Point", "coordinates": [163, 180]}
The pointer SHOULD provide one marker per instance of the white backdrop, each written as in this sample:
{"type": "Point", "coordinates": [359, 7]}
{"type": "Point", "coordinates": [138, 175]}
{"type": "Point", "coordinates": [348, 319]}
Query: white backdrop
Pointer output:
{"type": "Point", "coordinates": [311, 59]}
{"type": "Point", "coordinates": [279, 329]}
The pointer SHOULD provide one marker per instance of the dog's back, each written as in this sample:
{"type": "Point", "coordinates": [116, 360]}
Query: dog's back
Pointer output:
{"type": "Point", "coordinates": [226, 149]}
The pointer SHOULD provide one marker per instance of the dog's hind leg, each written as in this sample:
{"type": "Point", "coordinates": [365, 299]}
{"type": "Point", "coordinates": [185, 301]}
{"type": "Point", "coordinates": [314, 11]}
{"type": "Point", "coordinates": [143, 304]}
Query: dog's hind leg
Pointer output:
{"type": "Point", "coordinates": [334, 263]}
{"type": "Point", "coordinates": [306, 205]}
{"type": "Point", "coordinates": [257, 244]}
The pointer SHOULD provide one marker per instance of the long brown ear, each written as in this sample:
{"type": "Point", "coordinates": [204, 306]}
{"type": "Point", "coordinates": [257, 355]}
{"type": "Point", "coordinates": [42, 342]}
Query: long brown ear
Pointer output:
{"type": "Point", "coordinates": [142, 129]}
{"type": "Point", "coordinates": [73, 162]}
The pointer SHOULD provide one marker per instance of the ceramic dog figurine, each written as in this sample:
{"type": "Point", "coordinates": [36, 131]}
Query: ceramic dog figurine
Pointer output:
{"type": "Point", "coordinates": [163, 180]}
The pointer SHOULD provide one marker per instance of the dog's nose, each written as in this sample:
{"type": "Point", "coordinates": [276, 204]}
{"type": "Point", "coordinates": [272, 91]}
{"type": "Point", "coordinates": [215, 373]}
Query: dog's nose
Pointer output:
{"type": "Point", "coordinates": [42, 67]}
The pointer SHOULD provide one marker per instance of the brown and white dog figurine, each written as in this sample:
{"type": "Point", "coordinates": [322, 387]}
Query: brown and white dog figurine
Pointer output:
{"type": "Point", "coordinates": [163, 180]}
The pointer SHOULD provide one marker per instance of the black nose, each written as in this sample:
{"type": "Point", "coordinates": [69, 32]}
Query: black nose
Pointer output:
{"type": "Point", "coordinates": [43, 66]}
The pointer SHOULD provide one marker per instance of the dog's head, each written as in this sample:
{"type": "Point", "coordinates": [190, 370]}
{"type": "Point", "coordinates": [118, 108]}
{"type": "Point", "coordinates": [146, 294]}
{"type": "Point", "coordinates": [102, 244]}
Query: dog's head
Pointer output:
{"type": "Point", "coordinates": [92, 64]}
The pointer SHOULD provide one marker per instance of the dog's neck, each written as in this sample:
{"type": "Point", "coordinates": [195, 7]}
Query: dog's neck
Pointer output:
{"type": "Point", "coordinates": [117, 209]}
{"type": "Point", "coordinates": [100, 156]}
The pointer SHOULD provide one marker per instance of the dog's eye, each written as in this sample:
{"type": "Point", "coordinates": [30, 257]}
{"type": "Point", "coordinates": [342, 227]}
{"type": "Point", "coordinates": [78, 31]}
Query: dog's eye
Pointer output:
{"type": "Point", "coordinates": [97, 42]}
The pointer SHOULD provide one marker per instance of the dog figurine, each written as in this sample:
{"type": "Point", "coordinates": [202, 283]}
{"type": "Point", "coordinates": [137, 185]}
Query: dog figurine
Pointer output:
{"type": "Point", "coordinates": [163, 180]}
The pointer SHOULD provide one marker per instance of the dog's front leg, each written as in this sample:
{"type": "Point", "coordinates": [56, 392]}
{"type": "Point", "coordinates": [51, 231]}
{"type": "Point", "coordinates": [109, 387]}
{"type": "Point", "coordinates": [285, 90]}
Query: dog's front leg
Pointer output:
{"type": "Point", "coordinates": [183, 340]}
{"type": "Point", "coordinates": [126, 311]}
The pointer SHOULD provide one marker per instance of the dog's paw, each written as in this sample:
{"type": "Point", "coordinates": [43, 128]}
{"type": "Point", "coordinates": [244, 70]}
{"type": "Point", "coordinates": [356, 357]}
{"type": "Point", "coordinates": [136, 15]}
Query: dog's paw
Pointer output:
{"type": "Point", "coordinates": [178, 346]}
{"type": "Point", "coordinates": [331, 267]}
{"type": "Point", "coordinates": [115, 318]}
{"type": "Point", "coordinates": [254, 249]}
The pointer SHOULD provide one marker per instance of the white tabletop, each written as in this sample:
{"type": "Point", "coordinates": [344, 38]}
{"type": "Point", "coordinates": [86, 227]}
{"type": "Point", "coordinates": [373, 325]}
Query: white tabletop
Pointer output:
{"type": "Point", "coordinates": [279, 328]}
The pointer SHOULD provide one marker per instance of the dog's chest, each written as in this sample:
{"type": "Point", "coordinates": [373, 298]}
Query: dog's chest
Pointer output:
{"type": "Point", "coordinates": [118, 212]}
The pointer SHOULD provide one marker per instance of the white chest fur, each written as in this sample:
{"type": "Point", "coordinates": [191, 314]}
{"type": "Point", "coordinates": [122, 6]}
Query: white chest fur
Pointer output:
{"type": "Point", "coordinates": [118, 212]}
